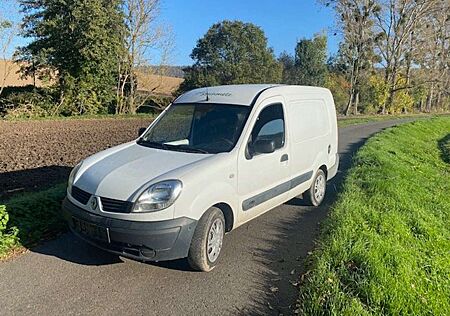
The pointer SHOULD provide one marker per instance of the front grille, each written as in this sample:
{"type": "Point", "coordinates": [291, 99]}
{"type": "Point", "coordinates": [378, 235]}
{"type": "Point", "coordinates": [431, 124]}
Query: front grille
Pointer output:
{"type": "Point", "coordinates": [115, 206]}
{"type": "Point", "coordinates": [80, 195]}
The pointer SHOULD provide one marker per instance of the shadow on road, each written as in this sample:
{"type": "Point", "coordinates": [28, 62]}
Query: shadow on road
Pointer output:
{"type": "Point", "coordinates": [70, 248]}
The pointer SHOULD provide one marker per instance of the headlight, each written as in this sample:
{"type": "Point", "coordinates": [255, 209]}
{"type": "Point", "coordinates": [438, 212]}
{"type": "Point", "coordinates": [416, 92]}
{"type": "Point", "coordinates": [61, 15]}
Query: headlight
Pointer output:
{"type": "Point", "coordinates": [158, 196]}
{"type": "Point", "coordinates": [72, 175]}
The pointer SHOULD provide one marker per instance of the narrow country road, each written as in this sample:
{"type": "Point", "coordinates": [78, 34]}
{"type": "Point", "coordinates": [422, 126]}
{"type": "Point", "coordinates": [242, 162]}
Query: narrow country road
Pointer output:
{"type": "Point", "coordinates": [259, 261]}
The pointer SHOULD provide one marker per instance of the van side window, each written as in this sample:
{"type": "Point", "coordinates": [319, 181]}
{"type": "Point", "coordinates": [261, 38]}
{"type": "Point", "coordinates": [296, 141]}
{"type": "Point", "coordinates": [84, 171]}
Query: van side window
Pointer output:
{"type": "Point", "coordinates": [270, 125]}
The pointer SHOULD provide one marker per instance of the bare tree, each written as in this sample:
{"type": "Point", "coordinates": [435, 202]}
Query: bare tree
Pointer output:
{"type": "Point", "coordinates": [396, 23]}
{"type": "Point", "coordinates": [145, 37]}
{"type": "Point", "coordinates": [8, 31]}
{"type": "Point", "coordinates": [433, 55]}
{"type": "Point", "coordinates": [355, 22]}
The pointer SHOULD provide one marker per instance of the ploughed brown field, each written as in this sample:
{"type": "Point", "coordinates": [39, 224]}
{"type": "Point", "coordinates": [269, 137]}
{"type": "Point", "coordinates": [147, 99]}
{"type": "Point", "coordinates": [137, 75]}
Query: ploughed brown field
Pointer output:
{"type": "Point", "coordinates": [36, 155]}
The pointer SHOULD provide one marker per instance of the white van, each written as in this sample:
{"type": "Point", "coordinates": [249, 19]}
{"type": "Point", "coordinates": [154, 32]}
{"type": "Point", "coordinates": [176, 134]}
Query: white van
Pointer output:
{"type": "Point", "coordinates": [216, 158]}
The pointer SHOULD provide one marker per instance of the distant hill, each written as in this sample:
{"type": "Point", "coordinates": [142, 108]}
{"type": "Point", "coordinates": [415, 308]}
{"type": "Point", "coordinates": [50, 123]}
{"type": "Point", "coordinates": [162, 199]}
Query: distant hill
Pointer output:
{"type": "Point", "coordinates": [157, 80]}
{"type": "Point", "coordinates": [13, 78]}
{"type": "Point", "coordinates": [157, 84]}
{"type": "Point", "coordinates": [170, 71]}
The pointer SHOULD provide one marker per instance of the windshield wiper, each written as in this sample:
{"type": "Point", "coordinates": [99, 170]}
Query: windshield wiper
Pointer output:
{"type": "Point", "coordinates": [152, 144]}
{"type": "Point", "coordinates": [182, 148]}
{"type": "Point", "coordinates": [192, 149]}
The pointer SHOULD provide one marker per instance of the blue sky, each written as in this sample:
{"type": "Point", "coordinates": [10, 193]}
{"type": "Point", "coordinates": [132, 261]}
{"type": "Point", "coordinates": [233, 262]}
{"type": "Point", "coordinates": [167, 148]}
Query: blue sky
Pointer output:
{"type": "Point", "coordinates": [284, 21]}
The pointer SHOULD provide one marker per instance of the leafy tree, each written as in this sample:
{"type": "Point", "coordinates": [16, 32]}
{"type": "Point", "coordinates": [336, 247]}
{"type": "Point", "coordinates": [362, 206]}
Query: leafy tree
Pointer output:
{"type": "Point", "coordinates": [311, 61]}
{"type": "Point", "coordinates": [79, 40]}
{"type": "Point", "coordinates": [308, 66]}
{"type": "Point", "coordinates": [232, 52]}
{"type": "Point", "coordinates": [403, 102]}
{"type": "Point", "coordinates": [339, 86]}
{"type": "Point", "coordinates": [379, 90]}
{"type": "Point", "coordinates": [288, 63]}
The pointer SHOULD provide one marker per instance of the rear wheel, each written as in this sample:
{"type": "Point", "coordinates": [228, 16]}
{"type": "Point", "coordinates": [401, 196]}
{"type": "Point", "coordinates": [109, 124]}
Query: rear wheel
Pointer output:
{"type": "Point", "coordinates": [207, 241]}
{"type": "Point", "coordinates": [316, 193]}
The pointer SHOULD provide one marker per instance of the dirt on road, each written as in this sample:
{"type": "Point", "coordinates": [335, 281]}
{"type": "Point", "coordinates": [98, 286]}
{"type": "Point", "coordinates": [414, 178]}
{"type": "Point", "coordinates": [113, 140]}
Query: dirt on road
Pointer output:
{"type": "Point", "coordinates": [39, 154]}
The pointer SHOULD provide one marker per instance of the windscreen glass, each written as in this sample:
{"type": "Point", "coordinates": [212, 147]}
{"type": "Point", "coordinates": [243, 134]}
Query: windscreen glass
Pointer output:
{"type": "Point", "coordinates": [200, 128]}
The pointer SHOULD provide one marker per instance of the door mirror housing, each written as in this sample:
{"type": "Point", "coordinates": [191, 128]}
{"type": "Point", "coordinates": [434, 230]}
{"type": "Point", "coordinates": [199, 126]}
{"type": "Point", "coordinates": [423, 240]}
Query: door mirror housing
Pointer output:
{"type": "Point", "coordinates": [263, 146]}
{"type": "Point", "coordinates": [141, 131]}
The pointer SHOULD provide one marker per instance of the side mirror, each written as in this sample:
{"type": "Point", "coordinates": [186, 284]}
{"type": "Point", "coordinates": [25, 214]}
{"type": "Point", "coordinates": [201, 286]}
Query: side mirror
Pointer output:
{"type": "Point", "coordinates": [264, 146]}
{"type": "Point", "coordinates": [141, 131]}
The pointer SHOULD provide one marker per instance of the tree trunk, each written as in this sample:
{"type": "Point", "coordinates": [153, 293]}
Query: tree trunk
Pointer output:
{"type": "Point", "coordinates": [430, 99]}
{"type": "Point", "coordinates": [392, 86]}
{"type": "Point", "coordinates": [356, 103]}
{"type": "Point", "coordinates": [349, 104]}
{"type": "Point", "coordinates": [437, 103]}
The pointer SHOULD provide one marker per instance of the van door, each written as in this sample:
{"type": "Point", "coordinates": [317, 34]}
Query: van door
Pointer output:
{"type": "Point", "coordinates": [310, 138]}
{"type": "Point", "coordinates": [263, 172]}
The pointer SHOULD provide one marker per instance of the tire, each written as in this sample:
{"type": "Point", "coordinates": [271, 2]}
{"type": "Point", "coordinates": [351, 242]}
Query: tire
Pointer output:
{"type": "Point", "coordinates": [204, 251]}
{"type": "Point", "coordinates": [316, 193]}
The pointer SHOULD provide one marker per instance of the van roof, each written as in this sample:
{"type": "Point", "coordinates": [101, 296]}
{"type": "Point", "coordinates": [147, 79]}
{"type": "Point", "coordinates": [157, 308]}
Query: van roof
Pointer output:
{"type": "Point", "coordinates": [243, 94]}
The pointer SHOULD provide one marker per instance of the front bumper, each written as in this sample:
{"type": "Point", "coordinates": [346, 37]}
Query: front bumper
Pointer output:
{"type": "Point", "coordinates": [145, 241]}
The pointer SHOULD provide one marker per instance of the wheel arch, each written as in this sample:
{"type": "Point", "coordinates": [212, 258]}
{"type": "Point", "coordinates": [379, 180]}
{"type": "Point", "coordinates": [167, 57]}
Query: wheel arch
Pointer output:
{"type": "Point", "coordinates": [325, 170]}
{"type": "Point", "coordinates": [227, 214]}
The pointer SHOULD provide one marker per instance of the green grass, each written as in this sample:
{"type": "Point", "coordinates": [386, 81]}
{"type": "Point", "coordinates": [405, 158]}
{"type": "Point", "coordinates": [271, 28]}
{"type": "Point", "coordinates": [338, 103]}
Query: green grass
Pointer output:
{"type": "Point", "coordinates": [385, 249]}
{"type": "Point", "coordinates": [30, 218]}
{"type": "Point", "coordinates": [344, 121]}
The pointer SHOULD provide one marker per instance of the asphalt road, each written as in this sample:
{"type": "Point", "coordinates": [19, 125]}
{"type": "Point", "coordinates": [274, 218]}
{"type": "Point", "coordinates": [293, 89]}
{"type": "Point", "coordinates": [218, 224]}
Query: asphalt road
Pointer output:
{"type": "Point", "coordinates": [259, 263]}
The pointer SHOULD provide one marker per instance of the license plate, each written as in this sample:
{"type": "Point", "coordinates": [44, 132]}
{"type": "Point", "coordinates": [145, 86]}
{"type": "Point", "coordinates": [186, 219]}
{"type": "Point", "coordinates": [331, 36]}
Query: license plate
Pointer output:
{"type": "Point", "coordinates": [90, 230]}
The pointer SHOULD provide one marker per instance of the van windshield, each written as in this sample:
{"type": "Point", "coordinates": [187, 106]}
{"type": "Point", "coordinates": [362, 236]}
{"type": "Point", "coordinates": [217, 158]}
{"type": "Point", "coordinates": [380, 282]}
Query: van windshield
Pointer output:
{"type": "Point", "coordinates": [198, 128]}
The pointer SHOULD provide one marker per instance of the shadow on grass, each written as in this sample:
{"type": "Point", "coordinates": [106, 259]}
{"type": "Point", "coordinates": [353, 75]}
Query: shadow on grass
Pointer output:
{"type": "Point", "coordinates": [444, 147]}
{"type": "Point", "coordinates": [30, 180]}
{"type": "Point", "coordinates": [33, 201]}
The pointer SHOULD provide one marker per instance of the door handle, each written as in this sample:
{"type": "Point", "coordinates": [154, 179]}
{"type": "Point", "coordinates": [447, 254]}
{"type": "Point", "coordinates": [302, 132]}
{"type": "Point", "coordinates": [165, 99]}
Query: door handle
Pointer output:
{"type": "Point", "coordinates": [285, 157]}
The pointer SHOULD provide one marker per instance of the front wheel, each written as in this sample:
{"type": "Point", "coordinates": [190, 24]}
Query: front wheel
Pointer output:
{"type": "Point", "coordinates": [207, 241]}
{"type": "Point", "coordinates": [316, 193]}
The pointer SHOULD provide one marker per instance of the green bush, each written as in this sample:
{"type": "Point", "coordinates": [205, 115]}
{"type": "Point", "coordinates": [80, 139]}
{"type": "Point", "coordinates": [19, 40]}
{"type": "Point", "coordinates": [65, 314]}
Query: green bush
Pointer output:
{"type": "Point", "coordinates": [29, 218]}
{"type": "Point", "coordinates": [26, 102]}
{"type": "Point", "coordinates": [8, 236]}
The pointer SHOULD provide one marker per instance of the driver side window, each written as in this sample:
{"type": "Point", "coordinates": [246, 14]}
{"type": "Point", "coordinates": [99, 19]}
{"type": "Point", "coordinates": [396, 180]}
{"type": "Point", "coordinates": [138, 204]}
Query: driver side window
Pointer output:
{"type": "Point", "coordinates": [270, 126]}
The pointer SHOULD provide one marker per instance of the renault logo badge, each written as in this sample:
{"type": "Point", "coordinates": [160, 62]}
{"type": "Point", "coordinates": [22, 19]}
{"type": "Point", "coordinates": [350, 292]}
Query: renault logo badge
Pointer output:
{"type": "Point", "coordinates": [94, 203]}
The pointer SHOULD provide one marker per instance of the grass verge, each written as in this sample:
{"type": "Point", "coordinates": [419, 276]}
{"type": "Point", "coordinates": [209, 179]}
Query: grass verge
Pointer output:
{"type": "Point", "coordinates": [385, 249]}
{"type": "Point", "coordinates": [344, 121]}
{"type": "Point", "coordinates": [30, 218]}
